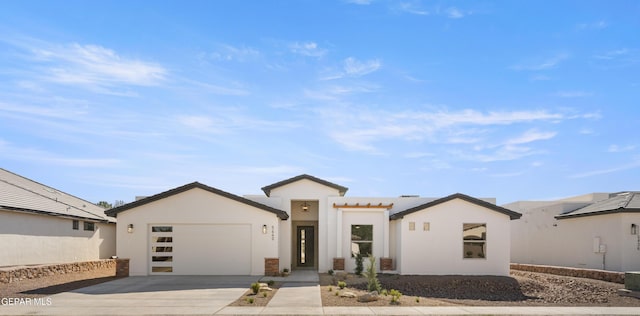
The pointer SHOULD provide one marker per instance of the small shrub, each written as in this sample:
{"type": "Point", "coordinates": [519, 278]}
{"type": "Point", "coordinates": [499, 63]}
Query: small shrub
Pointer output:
{"type": "Point", "coordinates": [330, 272]}
{"type": "Point", "coordinates": [337, 293]}
{"type": "Point", "coordinates": [384, 292]}
{"type": "Point", "coordinates": [359, 266]}
{"type": "Point", "coordinates": [255, 287]}
{"type": "Point", "coordinates": [271, 282]}
{"type": "Point", "coordinates": [285, 270]}
{"type": "Point", "coordinates": [250, 300]}
{"type": "Point", "coordinates": [417, 300]}
{"type": "Point", "coordinates": [264, 294]}
{"type": "Point", "coordinates": [373, 284]}
{"type": "Point", "coordinates": [342, 284]}
{"type": "Point", "coordinates": [395, 296]}
{"type": "Point", "coordinates": [330, 289]}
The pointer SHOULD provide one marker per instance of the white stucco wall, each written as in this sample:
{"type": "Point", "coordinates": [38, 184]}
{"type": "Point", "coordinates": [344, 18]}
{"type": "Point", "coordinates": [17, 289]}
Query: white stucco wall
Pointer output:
{"type": "Point", "coordinates": [197, 207]}
{"type": "Point", "coordinates": [363, 217]}
{"type": "Point", "coordinates": [439, 251]}
{"type": "Point", "coordinates": [538, 238]}
{"type": "Point", "coordinates": [307, 190]}
{"type": "Point", "coordinates": [42, 239]}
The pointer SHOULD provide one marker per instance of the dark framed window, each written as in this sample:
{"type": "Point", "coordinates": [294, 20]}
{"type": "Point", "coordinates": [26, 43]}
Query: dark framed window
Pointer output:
{"type": "Point", "coordinates": [162, 229]}
{"type": "Point", "coordinates": [76, 224]}
{"type": "Point", "coordinates": [89, 226]}
{"type": "Point", "coordinates": [474, 239]}
{"type": "Point", "coordinates": [361, 240]}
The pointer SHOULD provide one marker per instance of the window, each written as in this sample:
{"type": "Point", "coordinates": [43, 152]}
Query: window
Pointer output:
{"type": "Point", "coordinates": [361, 240]}
{"type": "Point", "coordinates": [76, 224]}
{"type": "Point", "coordinates": [474, 240]}
{"type": "Point", "coordinates": [162, 239]}
{"type": "Point", "coordinates": [162, 229]}
{"type": "Point", "coordinates": [412, 226]}
{"type": "Point", "coordinates": [89, 226]}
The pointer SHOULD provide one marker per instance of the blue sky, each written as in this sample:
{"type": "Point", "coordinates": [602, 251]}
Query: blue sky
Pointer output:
{"type": "Point", "coordinates": [508, 99]}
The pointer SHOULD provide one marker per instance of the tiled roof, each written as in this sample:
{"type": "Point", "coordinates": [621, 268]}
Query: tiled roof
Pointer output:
{"type": "Point", "coordinates": [499, 209]}
{"type": "Point", "coordinates": [114, 211]}
{"type": "Point", "coordinates": [624, 202]}
{"type": "Point", "coordinates": [267, 189]}
{"type": "Point", "coordinates": [20, 194]}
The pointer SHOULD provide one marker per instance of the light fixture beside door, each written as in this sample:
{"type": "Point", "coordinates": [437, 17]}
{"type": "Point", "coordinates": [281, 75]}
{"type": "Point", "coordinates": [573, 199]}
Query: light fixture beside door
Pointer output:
{"type": "Point", "coordinates": [305, 206]}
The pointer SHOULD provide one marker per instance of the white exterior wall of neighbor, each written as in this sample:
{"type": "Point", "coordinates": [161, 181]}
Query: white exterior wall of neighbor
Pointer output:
{"type": "Point", "coordinates": [539, 238]}
{"type": "Point", "coordinates": [198, 207]}
{"type": "Point", "coordinates": [439, 251]}
{"type": "Point", "coordinates": [305, 190]}
{"type": "Point", "coordinates": [44, 239]}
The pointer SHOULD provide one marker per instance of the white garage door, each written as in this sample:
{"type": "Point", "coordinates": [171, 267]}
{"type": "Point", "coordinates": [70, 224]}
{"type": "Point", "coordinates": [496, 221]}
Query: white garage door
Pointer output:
{"type": "Point", "coordinates": [215, 249]}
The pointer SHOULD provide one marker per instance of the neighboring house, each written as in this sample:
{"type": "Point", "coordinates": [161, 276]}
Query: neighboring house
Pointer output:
{"type": "Point", "coordinates": [41, 225]}
{"type": "Point", "coordinates": [306, 223]}
{"type": "Point", "coordinates": [595, 231]}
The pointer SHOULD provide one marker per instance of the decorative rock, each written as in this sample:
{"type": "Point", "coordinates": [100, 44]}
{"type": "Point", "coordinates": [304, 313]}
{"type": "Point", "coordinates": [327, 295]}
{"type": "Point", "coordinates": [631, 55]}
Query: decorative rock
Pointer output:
{"type": "Point", "coordinates": [347, 294]}
{"type": "Point", "coordinates": [265, 289]}
{"type": "Point", "coordinates": [369, 297]}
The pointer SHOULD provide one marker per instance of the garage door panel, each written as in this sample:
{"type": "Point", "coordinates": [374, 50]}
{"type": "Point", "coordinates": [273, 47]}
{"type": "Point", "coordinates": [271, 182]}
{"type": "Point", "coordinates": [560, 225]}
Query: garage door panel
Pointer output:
{"type": "Point", "coordinates": [211, 249]}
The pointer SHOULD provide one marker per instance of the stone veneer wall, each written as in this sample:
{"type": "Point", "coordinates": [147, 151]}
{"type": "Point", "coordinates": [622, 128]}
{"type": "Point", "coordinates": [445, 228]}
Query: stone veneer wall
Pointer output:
{"type": "Point", "coordinates": [14, 274]}
{"type": "Point", "coordinates": [338, 264]}
{"type": "Point", "coordinates": [603, 275]}
{"type": "Point", "coordinates": [386, 264]}
{"type": "Point", "coordinates": [271, 266]}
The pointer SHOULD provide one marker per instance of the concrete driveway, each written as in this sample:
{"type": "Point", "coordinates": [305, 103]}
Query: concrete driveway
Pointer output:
{"type": "Point", "coordinates": [158, 295]}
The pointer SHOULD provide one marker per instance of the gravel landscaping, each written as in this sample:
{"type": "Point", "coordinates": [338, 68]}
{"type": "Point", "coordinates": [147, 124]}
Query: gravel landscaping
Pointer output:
{"type": "Point", "coordinates": [520, 289]}
{"type": "Point", "coordinates": [260, 299]}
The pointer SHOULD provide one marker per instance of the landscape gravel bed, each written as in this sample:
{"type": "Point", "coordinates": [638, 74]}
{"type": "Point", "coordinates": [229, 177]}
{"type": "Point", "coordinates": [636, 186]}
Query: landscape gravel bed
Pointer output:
{"type": "Point", "coordinates": [519, 289]}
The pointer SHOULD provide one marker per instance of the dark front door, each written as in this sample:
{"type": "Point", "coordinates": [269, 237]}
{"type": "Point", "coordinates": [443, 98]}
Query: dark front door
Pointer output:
{"type": "Point", "coordinates": [305, 246]}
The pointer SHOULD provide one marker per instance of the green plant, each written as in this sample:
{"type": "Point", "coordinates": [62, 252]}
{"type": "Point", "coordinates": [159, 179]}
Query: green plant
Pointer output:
{"type": "Point", "coordinates": [337, 293]}
{"type": "Point", "coordinates": [264, 294]}
{"type": "Point", "coordinates": [330, 272]}
{"type": "Point", "coordinates": [255, 287]}
{"type": "Point", "coordinates": [359, 266]}
{"type": "Point", "coordinates": [250, 300]}
{"type": "Point", "coordinates": [384, 292]}
{"type": "Point", "coordinates": [373, 284]}
{"type": "Point", "coordinates": [271, 282]}
{"type": "Point", "coordinates": [417, 300]}
{"type": "Point", "coordinates": [285, 270]}
{"type": "Point", "coordinates": [395, 296]}
{"type": "Point", "coordinates": [342, 284]}
{"type": "Point", "coordinates": [330, 289]}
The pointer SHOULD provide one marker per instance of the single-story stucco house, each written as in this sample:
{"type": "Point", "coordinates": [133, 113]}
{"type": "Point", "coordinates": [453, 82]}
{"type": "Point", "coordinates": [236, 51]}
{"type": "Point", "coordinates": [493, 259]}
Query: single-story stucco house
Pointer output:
{"type": "Point", "coordinates": [307, 223]}
{"type": "Point", "coordinates": [594, 231]}
{"type": "Point", "coordinates": [42, 225]}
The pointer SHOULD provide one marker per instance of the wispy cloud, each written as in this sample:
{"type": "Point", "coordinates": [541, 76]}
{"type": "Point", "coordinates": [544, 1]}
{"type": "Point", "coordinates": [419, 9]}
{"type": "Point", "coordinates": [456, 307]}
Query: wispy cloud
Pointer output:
{"type": "Point", "coordinates": [353, 67]}
{"type": "Point", "coordinates": [96, 65]}
{"type": "Point", "coordinates": [541, 64]}
{"type": "Point", "coordinates": [360, 2]}
{"type": "Point", "coordinates": [633, 165]}
{"type": "Point", "coordinates": [618, 149]}
{"type": "Point", "coordinates": [356, 68]}
{"type": "Point", "coordinates": [366, 128]}
{"type": "Point", "coordinates": [310, 49]}
{"type": "Point", "coordinates": [228, 52]}
{"type": "Point", "coordinates": [16, 152]}
{"type": "Point", "coordinates": [573, 94]}
{"type": "Point", "coordinates": [454, 13]}
{"type": "Point", "coordinates": [598, 25]}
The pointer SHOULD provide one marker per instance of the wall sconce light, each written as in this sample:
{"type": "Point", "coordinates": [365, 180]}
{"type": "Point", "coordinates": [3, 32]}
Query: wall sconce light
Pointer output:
{"type": "Point", "coordinates": [264, 229]}
{"type": "Point", "coordinates": [130, 228]}
{"type": "Point", "coordinates": [305, 206]}
{"type": "Point", "coordinates": [634, 229]}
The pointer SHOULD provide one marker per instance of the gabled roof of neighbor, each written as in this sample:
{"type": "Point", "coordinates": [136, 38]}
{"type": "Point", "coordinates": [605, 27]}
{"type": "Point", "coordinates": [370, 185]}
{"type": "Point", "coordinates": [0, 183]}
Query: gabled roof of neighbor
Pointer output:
{"type": "Point", "coordinates": [510, 213]}
{"type": "Point", "coordinates": [20, 194]}
{"type": "Point", "coordinates": [341, 189]}
{"type": "Point", "coordinates": [114, 211]}
{"type": "Point", "coordinates": [623, 202]}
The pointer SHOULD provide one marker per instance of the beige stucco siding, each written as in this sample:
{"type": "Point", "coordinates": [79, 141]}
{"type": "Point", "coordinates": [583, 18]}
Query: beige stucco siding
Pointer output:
{"type": "Point", "coordinates": [440, 249]}
{"type": "Point", "coordinates": [201, 210]}
{"type": "Point", "coordinates": [41, 239]}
